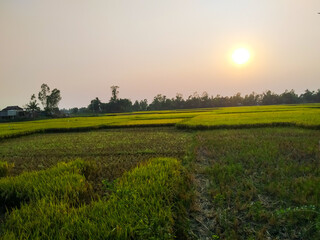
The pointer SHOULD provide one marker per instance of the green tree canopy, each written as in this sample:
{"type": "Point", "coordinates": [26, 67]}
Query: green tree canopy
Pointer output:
{"type": "Point", "coordinates": [49, 99]}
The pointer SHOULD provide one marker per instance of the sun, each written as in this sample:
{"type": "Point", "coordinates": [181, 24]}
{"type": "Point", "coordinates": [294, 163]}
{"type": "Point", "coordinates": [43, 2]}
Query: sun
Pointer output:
{"type": "Point", "coordinates": [241, 56]}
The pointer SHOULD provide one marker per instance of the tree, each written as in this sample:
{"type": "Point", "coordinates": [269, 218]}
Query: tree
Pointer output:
{"type": "Point", "coordinates": [49, 99]}
{"type": "Point", "coordinates": [114, 92]}
{"type": "Point", "coordinates": [218, 101]}
{"type": "Point", "coordinates": [236, 100]}
{"type": "Point", "coordinates": [308, 96]}
{"type": "Point", "coordinates": [54, 98]}
{"type": "Point", "coordinates": [95, 105]}
{"type": "Point", "coordinates": [178, 102]}
{"type": "Point", "coordinates": [83, 110]}
{"type": "Point", "coordinates": [74, 110]}
{"type": "Point", "coordinates": [317, 96]}
{"type": "Point", "coordinates": [144, 105]}
{"type": "Point", "coordinates": [251, 99]}
{"type": "Point", "coordinates": [32, 106]}
{"type": "Point", "coordinates": [289, 97]}
{"type": "Point", "coordinates": [136, 106]}
{"type": "Point", "coordinates": [43, 95]}
{"type": "Point", "coordinates": [269, 98]}
{"type": "Point", "coordinates": [158, 102]}
{"type": "Point", "coordinates": [194, 101]}
{"type": "Point", "coordinates": [124, 105]}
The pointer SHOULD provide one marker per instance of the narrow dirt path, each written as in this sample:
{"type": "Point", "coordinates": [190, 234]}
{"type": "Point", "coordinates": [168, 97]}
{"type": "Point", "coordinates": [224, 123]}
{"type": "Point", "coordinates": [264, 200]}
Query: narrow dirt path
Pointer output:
{"type": "Point", "coordinates": [201, 216]}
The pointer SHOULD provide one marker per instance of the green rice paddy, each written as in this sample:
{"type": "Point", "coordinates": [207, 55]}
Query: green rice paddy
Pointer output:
{"type": "Point", "coordinates": [224, 173]}
{"type": "Point", "coordinates": [263, 183]}
{"type": "Point", "coordinates": [281, 115]}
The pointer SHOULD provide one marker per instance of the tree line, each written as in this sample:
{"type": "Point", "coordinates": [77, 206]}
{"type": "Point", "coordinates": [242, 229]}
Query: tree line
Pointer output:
{"type": "Point", "coordinates": [50, 100]}
{"type": "Point", "coordinates": [161, 102]}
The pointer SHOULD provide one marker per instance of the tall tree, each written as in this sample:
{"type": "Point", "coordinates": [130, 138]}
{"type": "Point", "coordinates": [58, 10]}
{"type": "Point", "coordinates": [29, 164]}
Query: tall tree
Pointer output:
{"type": "Point", "coordinates": [114, 92]}
{"type": "Point", "coordinates": [43, 95]}
{"type": "Point", "coordinates": [49, 99]}
{"type": "Point", "coordinates": [53, 99]}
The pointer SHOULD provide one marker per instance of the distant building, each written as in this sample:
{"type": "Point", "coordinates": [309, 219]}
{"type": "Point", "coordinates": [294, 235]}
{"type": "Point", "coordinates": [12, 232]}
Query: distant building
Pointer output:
{"type": "Point", "coordinates": [12, 112]}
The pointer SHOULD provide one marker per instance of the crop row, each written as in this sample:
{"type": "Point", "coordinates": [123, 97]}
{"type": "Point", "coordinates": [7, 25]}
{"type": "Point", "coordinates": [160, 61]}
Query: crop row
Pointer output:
{"type": "Point", "coordinates": [65, 181]}
{"type": "Point", "coordinates": [113, 151]}
{"type": "Point", "coordinates": [141, 205]}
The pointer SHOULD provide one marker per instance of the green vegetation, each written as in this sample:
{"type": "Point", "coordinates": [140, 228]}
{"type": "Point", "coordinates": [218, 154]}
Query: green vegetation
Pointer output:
{"type": "Point", "coordinates": [235, 117]}
{"type": "Point", "coordinates": [79, 181]}
{"type": "Point", "coordinates": [5, 168]}
{"type": "Point", "coordinates": [306, 116]}
{"type": "Point", "coordinates": [141, 206]}
{"type": "Point", "coordinates": [113, 151]}
{"type": "Point", "coordinates": [14, 129]}
{"type": "Point", "coordinates": [161, 102]}
{"type": "Point", "coordinates": [65, 181]}
{"type": "Point", "coordinates": [50, 100]}
{"type": "Point", "coordinates": [264, 183]}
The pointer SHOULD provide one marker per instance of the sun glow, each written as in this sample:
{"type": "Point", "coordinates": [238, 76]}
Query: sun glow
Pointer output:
{"type": "Point", "coordinates": [241, 56]}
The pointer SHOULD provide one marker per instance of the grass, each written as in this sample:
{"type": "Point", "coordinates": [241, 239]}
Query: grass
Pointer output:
{"type": "Point", "coordinates": [5, 168]}
{"type": "Point", "coordinates": [264, 183]}
{"type": "Point", "coordinates": [141, 206]}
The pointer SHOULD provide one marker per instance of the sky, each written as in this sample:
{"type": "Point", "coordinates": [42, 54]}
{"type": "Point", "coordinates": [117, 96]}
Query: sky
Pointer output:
{"type": "Point", "coordinates": [150, 47]}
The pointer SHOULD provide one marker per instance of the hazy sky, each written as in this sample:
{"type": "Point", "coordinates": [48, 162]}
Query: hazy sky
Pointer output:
{"type": "Point", "coordinates": [155, 46]}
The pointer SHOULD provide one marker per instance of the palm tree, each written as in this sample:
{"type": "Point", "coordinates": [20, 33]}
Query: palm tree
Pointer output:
{"type": "Point", "coordinates": [32, 106]}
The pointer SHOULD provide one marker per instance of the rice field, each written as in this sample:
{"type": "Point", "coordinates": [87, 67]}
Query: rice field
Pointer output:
{"type": "Point", "coordinates": [79, 173]}
{"type": "Point", "coordinates": [304, 115]}
{"type": "Point", "coordinates": [113, 151]}
{"type": "Point", "coordinates": [224, 173]}
{"type": "Point", "coordinates": [14, 129]}
{"type": "Point", "coordinates": [262, 183]}
{"type": "Point", "coordinates": [136, 208]}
